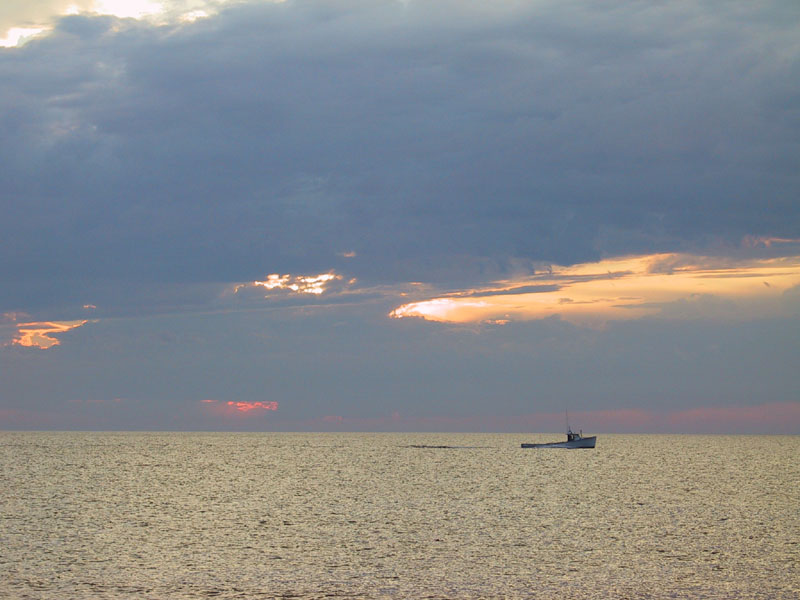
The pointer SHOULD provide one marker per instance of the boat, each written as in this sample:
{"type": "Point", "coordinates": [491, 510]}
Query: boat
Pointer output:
{"type": "Point", "coordinates": [574, 440]}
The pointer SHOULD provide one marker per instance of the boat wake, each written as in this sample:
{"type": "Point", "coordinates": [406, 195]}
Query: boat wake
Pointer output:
{"type": "Point", "coordinates": [442, 446]}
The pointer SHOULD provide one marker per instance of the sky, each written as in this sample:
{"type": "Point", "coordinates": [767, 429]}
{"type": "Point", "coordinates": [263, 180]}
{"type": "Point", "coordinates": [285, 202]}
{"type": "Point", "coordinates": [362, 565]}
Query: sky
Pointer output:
{"type": "Point", "coordinates": [346, 215]}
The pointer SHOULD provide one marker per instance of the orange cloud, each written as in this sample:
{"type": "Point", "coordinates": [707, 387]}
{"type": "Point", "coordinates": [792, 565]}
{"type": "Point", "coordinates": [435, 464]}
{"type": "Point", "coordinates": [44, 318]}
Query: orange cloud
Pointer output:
{"type": "Point", "coordinates": [235, 409]}
{"type": "Point", "coordinates": [622, 288]}
{"type": "Point", "coordinates": [300, 284]}
{"type": "Point", "coordinates": [248, 406]}
{"type": "Point", "coordinates": [38, 334]}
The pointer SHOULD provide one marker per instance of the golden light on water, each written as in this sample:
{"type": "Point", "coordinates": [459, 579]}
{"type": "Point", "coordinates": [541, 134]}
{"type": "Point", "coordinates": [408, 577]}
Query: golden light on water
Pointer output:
{"type": "Point", "coordinates": [623, 288]}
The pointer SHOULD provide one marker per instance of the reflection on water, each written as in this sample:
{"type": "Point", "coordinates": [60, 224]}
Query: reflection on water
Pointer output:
{"type": "Point", "coordinates": [393, 515]}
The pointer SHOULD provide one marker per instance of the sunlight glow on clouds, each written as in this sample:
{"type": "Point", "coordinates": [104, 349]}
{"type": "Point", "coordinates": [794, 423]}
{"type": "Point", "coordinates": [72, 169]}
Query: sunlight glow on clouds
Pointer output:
{"type": "Point", "coordinates": [128, 8]}
{"type": "Point", "coordinates": [18, 35]}
{"type": "Point", "coordinates": [676, 285]}
{"type": "Point", "coordinates": [236, 409]}
{"type": "Point", "coordinates": [248, 406]}
{"type": "Point", "coordinates": [194, 16]}
{"type": "Point", "coordinates": [38, 334]}
{"type": "Point", "coordinates": [301, 284]}
{"type": "Point", "coordinates": [20, 22]}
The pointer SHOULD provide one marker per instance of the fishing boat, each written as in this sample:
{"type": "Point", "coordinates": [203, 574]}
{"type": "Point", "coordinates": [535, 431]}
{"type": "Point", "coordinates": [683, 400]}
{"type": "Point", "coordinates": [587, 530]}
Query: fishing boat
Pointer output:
{"type": "Point", "coordinates": [574, 440]}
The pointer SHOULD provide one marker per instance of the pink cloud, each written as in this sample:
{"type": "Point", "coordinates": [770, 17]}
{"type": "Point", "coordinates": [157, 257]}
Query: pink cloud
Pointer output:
{"type": "Point", "coordinates": [233, 409]}
{"type": "Point", "coordinates": [73, 414]}
{"type": "Point", "coordinates": [773, 418]}
{"type": "Point", "coordinates": [11, 418]}
{"type": "Point", "coordinates": [248, 406]}
{"type": "Point", "coordinates": [768, 418]}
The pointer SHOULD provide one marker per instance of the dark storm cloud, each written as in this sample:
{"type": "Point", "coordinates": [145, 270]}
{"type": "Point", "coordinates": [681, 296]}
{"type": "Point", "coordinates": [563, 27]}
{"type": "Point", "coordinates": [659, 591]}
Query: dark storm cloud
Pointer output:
{"type": "Point", "coordinates": [439, 141]}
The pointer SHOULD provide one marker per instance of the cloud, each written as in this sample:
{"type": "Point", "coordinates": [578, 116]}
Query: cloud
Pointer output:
{"type": "Point", "coordinates": [28, 17]}
{"type": "Point", "coordinates": [436, 142]}
{"type": "Point", "coordinates": [232, 411]}
{"type": "Point", "coordinates": [246, 407]}
{"type": "Point", "coordinates": [755, 241]}
{"type": "Point", "coordinates": [18, 35]}
{"type": "Point", "coordinates": [425, 150]}
{"type": "Point", "coordinates": [38, 14]}
{"type": "Point", "coordinates": [41, 334]}
{"type": "Point", "coordinates": [780, 417]}
{"type": "Point", "coordinates": [769, 418]}
{"type": "Point", "coordinates": [774, 418]}
{"type": "Point", "coordinates": [300, 284]}
{"type": "Point", "coordinates": [626, 288]}
{"type": "Point", "coordinates": [97, 401]}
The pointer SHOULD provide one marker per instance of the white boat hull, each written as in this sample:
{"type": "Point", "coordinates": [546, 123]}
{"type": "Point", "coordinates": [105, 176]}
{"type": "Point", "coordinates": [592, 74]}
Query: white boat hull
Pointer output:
{"type": "Point", "coordinates": [584, 442]}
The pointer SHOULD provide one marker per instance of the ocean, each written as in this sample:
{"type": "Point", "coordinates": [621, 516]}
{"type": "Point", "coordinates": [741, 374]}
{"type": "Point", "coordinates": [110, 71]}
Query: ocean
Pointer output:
{"type": "Point", "coordinates": [235, 515]}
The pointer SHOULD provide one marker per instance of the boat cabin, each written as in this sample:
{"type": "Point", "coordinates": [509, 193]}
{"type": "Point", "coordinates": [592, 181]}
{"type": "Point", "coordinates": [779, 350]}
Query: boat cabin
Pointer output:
{"type": "Point", "coordinates": [571, 435]}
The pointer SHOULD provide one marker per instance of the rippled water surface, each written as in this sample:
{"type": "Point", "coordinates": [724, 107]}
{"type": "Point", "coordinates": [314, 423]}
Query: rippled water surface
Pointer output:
{"type": "Point", "coordinates": [160, 515]}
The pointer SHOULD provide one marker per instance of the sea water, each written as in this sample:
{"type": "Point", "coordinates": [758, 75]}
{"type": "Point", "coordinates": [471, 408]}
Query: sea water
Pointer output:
{"type": "Point", "coordinates": [177, 515]}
